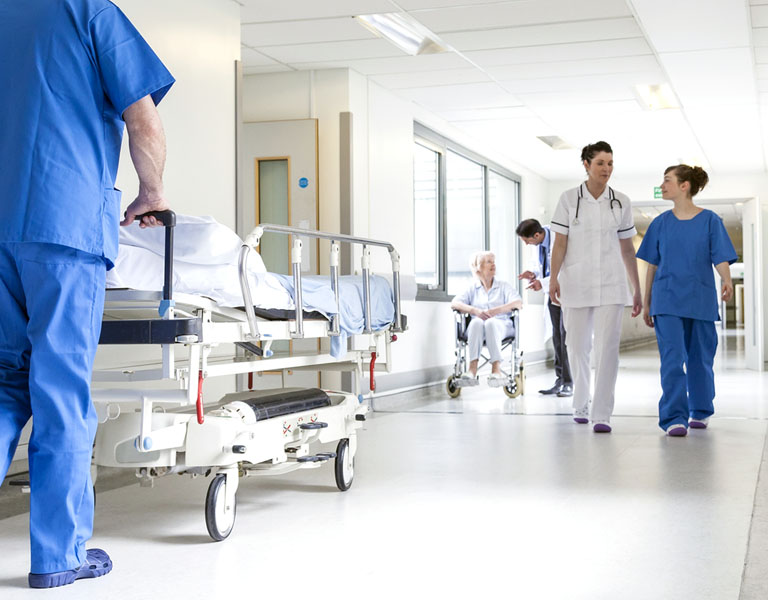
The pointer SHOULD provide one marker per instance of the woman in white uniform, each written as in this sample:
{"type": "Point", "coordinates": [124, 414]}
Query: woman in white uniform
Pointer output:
{"type": "Point", "coordinates": [490, 303]}
{"type": "Point", "coordinates": [589, 260]}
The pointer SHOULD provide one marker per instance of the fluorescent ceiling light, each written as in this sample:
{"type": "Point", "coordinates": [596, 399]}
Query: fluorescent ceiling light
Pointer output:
{"type": "Point", "coordinates": [404, 32]}
{"type": "Point", "coordinates": [555, 142]}
{"type": "Point", "coordinates": [656, 97]}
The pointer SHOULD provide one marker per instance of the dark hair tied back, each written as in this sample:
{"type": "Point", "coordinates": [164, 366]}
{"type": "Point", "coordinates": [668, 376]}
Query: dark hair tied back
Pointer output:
{"type": "Point", "coordinates": [696, 176]}
{"type": "Point", "coordinates": [590, 150]}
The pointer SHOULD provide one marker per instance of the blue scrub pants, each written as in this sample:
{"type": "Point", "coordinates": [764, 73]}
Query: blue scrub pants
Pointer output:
{"type": "Point", "coordinates": [52, 298]}
{"type": "Point", "coordinates": [686, 393]}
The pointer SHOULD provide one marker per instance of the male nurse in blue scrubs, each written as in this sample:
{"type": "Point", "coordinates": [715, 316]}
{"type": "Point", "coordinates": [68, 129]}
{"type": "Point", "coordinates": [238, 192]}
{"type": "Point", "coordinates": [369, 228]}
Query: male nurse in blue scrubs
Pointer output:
{"type": "Point", "coordinates": [73, 72]}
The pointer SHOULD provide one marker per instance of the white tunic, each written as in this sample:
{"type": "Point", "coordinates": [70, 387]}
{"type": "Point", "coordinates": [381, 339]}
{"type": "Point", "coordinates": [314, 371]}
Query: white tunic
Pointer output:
{"type": "Point", "coordinates": [593, 273]}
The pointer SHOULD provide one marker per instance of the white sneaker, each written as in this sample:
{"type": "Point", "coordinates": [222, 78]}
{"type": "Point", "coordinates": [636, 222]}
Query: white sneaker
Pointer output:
{"type": "Point", "coordinates": [468, 380]}
{"type": "Point", "coordinates": [496, 379]}
{"type": "Point", "coordinates": [698, 423]}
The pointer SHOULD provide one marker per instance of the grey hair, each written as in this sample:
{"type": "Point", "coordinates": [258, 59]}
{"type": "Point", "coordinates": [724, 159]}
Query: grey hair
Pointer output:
{"type": "Point", "coordinates": [477, 260]}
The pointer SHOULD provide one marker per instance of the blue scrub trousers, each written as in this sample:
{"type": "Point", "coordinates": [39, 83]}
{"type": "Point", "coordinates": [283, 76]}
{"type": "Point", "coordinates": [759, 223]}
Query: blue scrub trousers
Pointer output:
{"type": "Point", "coordinates": [52, 298]}
{"type": "Point", "coordinates": [686, 392]}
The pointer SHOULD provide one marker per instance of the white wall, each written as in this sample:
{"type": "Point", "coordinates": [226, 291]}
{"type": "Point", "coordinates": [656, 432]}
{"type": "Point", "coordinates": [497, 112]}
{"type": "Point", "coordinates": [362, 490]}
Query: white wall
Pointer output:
{"type": "Point", "coordinates": [383, 187]}
{"type": "Point", "coordinates": [199, 42]}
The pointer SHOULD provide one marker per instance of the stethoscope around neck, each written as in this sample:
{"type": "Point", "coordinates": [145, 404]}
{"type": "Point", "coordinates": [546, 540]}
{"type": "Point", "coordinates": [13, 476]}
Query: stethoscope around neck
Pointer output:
{"type": "Point", "coordinates": [611, 197]}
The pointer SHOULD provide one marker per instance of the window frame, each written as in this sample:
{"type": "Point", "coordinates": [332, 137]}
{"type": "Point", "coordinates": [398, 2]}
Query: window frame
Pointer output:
{"type": "Point", "coordinates": [432, 140]}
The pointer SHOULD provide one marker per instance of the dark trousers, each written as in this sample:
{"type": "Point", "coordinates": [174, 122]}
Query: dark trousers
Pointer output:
{"type": "Point", "coordinates": [562, 369]}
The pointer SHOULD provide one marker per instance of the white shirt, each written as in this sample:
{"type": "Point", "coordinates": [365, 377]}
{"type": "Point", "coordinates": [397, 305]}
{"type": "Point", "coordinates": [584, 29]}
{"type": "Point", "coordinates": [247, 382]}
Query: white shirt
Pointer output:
{"type": "Point", "coordinates": [537, 267]}
{"type": "Point", "coordinates": [477, 296]}
{"type": "Point", "coordinates": [593, 272]}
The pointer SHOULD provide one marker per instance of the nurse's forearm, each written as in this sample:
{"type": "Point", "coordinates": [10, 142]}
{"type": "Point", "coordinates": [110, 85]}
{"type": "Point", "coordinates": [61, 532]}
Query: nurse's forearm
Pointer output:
{"type": "Point", "coordinates": [146, 141]}
{"type": "Point", "coordinates": [558, 255]}
{"type": "Point", "coordinates": [724, 270]}
{"type": "Point", "coordinates": [630, 262]}
{"type": "Point", "coordinates": [649, 284]}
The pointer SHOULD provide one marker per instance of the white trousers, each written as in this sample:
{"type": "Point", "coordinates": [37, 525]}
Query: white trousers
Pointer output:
{"type": "Point", "coordinates": [580, 323]}
{"type": "Point", "coordinates": [490, 331]}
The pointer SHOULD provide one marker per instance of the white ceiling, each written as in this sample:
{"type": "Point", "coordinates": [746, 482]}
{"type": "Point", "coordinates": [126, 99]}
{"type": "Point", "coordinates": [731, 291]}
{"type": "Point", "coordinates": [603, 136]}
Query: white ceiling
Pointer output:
{"type": "Point", "coordinates": [526, 68]}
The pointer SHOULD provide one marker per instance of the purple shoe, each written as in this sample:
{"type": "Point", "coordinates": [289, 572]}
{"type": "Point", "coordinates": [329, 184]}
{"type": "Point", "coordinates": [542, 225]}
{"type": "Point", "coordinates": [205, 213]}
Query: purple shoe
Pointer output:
{"type": "Point", "coordinates": [698, 423]}
{"type": "Point", "coordinates": [677, 430]}
{"type": "Point", "coordinates": [601, 427]}
{"type": "Point", "coordinates": [97, 563]}
{"type": "Point", "coordinates": [581, 420]}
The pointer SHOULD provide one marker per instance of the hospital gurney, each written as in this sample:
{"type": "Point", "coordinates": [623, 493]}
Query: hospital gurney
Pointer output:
{"type": "Point", "coordinates": [159, 432]}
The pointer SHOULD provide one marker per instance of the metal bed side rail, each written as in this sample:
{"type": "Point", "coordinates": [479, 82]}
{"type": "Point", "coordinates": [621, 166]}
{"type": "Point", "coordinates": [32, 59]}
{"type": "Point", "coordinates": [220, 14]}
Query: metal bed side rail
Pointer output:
{"type": "Point", "coordinates": [252, 241]}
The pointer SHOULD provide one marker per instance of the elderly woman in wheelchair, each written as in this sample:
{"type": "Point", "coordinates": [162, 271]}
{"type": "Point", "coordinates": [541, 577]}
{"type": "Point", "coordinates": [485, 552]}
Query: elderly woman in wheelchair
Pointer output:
{"type": "Point", "coordinates": [487, 317]}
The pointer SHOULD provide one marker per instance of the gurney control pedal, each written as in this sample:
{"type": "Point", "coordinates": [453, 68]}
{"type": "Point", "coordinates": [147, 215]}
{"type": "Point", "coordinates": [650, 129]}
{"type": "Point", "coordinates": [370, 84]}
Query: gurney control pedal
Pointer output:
{"type": "Point", "coordinates": [318, 458]}
{"type": "Point", "coordinates": [315, 425]}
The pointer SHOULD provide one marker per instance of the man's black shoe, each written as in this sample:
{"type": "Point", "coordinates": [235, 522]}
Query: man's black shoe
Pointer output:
{"type": "Point", "coordinates": [551, 391]}
{"type": "Point", "coordinates": [566, 390]}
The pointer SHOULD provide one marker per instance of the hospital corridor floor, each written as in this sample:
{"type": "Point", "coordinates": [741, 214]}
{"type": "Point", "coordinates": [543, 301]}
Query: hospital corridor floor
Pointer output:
{"type": "Point", "coordinates": [478, 497]}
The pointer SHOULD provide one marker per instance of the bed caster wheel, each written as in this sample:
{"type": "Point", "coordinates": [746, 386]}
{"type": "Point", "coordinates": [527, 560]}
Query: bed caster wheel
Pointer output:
{"type": "Point", "coordinates": [344, 468]}
{"type": "Point", "coordinates": [453, 390]}
{"type": "Point", "coordinates": [219, 518]}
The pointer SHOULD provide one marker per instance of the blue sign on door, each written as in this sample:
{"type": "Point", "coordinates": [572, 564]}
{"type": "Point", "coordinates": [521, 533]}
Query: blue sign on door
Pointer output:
{"type": "Point", "coordinates": [303, 182]}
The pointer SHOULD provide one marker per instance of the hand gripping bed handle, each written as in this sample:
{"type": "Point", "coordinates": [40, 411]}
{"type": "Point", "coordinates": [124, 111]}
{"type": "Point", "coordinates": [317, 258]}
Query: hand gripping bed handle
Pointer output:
{"type": "Point", "coordinates": [168, 219]}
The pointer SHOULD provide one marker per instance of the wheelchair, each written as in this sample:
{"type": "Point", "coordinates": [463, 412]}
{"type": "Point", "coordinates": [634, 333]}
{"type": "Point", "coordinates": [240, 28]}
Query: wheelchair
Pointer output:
{"type": "Point", "coordinates": [514, 371]}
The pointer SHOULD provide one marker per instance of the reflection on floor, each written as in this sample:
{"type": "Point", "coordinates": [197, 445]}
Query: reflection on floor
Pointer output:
{"type": "Point", "coordinates": [481, 497]}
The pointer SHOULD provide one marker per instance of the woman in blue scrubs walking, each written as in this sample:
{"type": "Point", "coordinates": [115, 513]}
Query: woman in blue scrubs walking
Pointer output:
{"type": "Point", "coordinates": [681, 300]}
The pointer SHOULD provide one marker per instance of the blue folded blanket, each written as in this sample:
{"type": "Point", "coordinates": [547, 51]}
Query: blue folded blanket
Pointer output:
{"type": "Point", "coordinates": [317, 295]}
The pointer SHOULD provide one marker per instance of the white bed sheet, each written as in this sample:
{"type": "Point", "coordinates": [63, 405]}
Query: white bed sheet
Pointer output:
{"type": "Point", "coordinates": [205, 264]}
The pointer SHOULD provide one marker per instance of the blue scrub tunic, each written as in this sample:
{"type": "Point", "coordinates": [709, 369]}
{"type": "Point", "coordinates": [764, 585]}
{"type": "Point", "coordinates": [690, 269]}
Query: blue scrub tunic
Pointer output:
{"type": "Point", "coordinates": [69, 69]}
{"type": "Point", "coordinates": [684, 252]}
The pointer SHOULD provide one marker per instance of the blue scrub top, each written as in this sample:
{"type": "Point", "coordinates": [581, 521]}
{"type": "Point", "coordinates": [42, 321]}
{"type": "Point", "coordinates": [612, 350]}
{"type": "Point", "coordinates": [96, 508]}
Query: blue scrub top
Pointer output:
{"type": "Point", "coordinates": [684, 252]}
{"type": "Point", "coordinates": [69, 69]}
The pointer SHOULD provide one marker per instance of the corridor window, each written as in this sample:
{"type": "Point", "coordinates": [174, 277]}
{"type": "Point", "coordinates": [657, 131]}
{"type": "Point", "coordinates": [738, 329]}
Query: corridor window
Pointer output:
{"type": "Point", "coordinates": [426, 203]}
{"type": "Point", "coordinates": [463, 203]}
{"type": "Point", "coordinates": [465, 218]}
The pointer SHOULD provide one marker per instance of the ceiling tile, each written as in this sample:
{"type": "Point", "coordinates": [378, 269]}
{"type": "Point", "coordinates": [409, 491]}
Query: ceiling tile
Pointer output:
{"type": "Point", "coordinates": [259, 11]}
{"type": "Point", "coordinates": [429, 78]}
{"type": "Point", "coordinates": [539, 35]}
{"type": "Point", "coordinates": [613, 82]}
{"type": "Point", "coordinates": [729, 136]}
{"type": "Point", "coordinates": [598, 66]}
{"type": "Point", "coordinates": [489, 16]}
{"type": "Point", "coordinates": [560, 52]}
{"type": "Point", "coordinates": [303, 32]}
{"type": "Point", "coordinates": [760, 36]}
{"type": "Point", "coordinates": [475, 95]}
{"type": "Point", "coordinates": [402, 64]}
{"type": "Point", "coordinates": [254, 58]}
{"type": "Point", "coordinates": [692, 75]}
{"type": "Point", "coordinates": [761, 55]}
{"type": "Point", "coordinates": [759, 16]}
{"type": "Point", "coordinates": [487, 114]}
{"type": "Point", "coordinates": [694, 25]}
{"type": "Point", "coordinates": [329, 51]}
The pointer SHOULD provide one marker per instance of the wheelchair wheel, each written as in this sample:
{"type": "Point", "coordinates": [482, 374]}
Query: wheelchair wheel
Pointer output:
{"type": "Point", "coordinates": [453, 390]}
{"type": "Point", "coordinates": [513, 390]}
{"type": "Point", "coordinates": [520, 379]}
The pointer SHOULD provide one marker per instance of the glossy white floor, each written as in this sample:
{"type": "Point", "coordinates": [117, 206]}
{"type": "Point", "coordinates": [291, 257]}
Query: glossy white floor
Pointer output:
{"type": "Point", "coordinates": [472, 498]}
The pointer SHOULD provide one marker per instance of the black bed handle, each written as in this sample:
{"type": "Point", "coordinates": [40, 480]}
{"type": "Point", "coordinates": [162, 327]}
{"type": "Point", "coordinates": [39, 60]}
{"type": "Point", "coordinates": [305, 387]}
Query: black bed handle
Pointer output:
{"type": "Point", "coordinates": [168, 219]}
